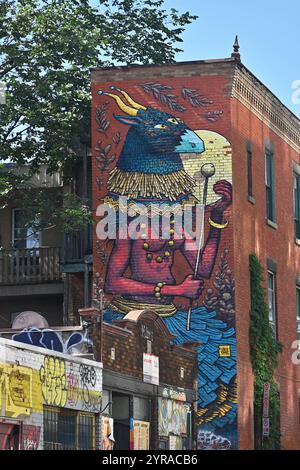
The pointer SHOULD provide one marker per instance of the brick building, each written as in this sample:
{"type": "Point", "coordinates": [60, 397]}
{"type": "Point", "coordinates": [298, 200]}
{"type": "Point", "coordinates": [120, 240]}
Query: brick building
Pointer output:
{"type": "Point", "coordinates": [45, 270]}
{"type": "Point", "coordinates": [148, 408]}
{"type": "Point", "coordinates": [236, 123]}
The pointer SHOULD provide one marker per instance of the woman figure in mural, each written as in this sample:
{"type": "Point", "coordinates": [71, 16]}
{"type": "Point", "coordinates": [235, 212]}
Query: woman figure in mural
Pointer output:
{"type": "Point", "coordinates": [139, 274]}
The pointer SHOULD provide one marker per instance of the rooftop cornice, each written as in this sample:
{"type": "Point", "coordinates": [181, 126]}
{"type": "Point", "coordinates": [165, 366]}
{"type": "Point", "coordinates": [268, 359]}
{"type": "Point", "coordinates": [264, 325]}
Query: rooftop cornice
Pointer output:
{"type": "Point", "coordinates": [261, 101]}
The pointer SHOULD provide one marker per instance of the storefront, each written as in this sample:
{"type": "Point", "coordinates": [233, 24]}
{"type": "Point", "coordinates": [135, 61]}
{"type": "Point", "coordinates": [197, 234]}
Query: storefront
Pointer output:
{"type": "Point", "coordinates": [125, 421]}
{"type": "Point", "coordinates": [175, 420]}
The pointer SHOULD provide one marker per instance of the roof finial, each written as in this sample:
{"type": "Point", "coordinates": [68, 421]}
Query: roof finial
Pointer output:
{"type": "Point", "coordinates": [236, 55]}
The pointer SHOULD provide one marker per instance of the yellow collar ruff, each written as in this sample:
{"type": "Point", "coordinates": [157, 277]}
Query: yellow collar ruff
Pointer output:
{"type": "Point", "coordinates": [150, 185]}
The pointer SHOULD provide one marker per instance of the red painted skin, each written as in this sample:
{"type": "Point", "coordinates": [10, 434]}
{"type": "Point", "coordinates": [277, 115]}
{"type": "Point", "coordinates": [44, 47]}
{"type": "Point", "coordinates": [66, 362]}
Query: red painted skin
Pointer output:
{"type": "Point", "coordinates": [130, 255]}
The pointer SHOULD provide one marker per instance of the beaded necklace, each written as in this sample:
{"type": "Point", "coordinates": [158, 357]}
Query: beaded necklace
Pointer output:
{"type": "Point", "coordinates": [168, 250]}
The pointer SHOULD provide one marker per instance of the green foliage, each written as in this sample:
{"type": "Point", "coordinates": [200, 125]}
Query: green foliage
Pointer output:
{"type": "Point", "coordinates": [49, 208]}
{"type": "Point", "coordinates": [9, 182]}
{"type": "Point", "coordinates": [264, 357]}
{"type": "Point", "coordinates": [47, 48]}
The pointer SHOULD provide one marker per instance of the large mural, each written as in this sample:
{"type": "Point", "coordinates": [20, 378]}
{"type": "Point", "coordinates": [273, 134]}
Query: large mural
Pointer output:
{"type": "Point", "coordinates": [154, 161]}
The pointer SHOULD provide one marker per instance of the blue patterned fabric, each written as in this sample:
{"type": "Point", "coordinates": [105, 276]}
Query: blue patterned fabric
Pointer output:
{"type": "Point", "coordinates": [213, 369]}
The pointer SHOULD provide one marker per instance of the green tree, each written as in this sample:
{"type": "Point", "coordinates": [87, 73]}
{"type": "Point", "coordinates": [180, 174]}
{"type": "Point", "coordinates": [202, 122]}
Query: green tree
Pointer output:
{"type": "Point", "coordinates": [47, 48]}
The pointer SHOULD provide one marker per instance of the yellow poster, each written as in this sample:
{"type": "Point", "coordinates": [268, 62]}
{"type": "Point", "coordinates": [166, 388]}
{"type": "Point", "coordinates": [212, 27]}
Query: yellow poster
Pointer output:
{"type": "Point", "coordinates": [141, 435]}
{"type": "Point", "coordinates": [108, 439]}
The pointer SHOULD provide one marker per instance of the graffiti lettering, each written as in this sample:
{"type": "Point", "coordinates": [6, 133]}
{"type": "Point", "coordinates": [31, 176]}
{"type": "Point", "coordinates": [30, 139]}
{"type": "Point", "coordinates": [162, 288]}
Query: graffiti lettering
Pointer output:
{"type": "Point", "coordinates": [53, 381]}
{"type": "Point", "coordinates": [173, 394]}
{"type": "Point", "coordinates": [52, 340]}
{"type": "Point", "coordinates": [91, 398]}
{"type": "Point", "coordinates": [87, 375]}
{"type": "Point", "coordinates": [31, 437]}
{"type": "Point", "coordinates": [72, 385]}
{"type": "Point", "coordinates": [210, 441]}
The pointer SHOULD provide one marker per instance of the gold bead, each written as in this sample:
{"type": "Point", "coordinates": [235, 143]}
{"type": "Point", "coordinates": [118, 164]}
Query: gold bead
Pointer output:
{"type": "Point", "coordinates": [143, 225]}
{"type": "Point", "coordinates": [146, 246]}
{"type": "Point", "coordinates": [159, 259]}
{"type": "Point", "coordinates": [172, 231]}
{"type": "Point", "coordinates": [167, 254]}
{"type": "Point", "coordinates": [172, 222]}
{"type": "Point", "coordinates": [171, 243]}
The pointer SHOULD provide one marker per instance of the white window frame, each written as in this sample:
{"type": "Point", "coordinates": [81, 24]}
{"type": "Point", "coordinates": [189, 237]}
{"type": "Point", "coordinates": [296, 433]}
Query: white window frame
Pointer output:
{"type": "Point", "coordinates": [13, 239]}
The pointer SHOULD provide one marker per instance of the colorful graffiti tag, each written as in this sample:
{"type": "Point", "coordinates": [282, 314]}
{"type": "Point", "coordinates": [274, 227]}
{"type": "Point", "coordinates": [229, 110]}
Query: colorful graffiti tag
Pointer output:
{"type": "Point", "coordinates": [91, 401]}
{"type": "Point", "coordinates": [54, 381]}
{"type": "Point", "coordinates": [161, 161]}
{"type": "Point", "coordinates": [172, 417]}
{"type": "Point", "coordinates": [50, 339]}
{"type": "Point", "coordinates": [31, 437]}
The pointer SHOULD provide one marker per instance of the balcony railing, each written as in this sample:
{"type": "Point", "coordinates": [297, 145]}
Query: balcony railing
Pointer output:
{"type": "Point", "coordinates": [30, 265]}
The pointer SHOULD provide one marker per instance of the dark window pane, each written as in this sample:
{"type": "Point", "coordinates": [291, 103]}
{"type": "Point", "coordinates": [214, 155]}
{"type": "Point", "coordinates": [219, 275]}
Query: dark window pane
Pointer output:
{"type": "Point", "coordinates": [24, 236]}
{"type": "Point", "coordinates": [270, 194]}
{"type": "Point", "coordinates": [68, 430]}
{"type": "Point", "coordinates": [272, 300]}
{"type": "Point", "coordinates": [297, 205]}
{"type": "Point", "coordinates": [298, 302]}
{"type": "Point", "coordinates": [249, 165]}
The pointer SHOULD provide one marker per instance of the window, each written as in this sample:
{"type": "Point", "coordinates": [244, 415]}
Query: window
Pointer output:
{"type": "Point", "coordinates": [23, 236]}
{"type": "Point", "coordinates": [272, 300]}
{"type": "Point", "coordinates": [298, 308]}
{"type": "Point", "coordinates": [297, 205]}
{"type": "Point", "coordinates": [249, 169]}
{"type": "Point", "coordinates": [106, 402]}
{"type": "Point", "coordinates": [141, 409]}
{"type": "Point", "coordinates": [68, 430]}
{"type": "Point", "coordinates": [270, 194]}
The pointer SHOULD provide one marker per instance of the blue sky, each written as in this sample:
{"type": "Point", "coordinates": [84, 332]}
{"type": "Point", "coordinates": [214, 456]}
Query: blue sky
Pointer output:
{"type": "Point", "coordinates": [268, 34]}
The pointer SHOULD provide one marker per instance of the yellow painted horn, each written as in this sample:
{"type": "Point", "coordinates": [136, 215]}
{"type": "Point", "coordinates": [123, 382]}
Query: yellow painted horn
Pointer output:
{"type": "Point", "coordinates": [124, 107]}
{"type": "Point", "coordinates": [133, 103]}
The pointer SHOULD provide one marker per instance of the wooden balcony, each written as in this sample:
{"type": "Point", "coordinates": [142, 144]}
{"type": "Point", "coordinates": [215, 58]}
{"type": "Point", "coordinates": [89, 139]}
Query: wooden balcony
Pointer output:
{"type": "Point", "coordinates": [30, 266]}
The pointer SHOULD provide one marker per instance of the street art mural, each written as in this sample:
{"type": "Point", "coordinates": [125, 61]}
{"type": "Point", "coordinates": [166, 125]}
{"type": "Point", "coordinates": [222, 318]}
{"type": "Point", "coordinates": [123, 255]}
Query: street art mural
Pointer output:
{"type": "Point", "coordinates": [172, 417]}
{"type": "Point", "coordinates": [30, 380]}
{"type": "Point", "coordinates": [64, 342]}
{"type": "Point", "coordinates": [159, 149]}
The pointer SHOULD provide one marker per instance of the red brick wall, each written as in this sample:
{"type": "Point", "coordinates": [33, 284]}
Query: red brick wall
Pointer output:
{"type": "Point", "coordinates": [211, 117]}
{"type": "Point", "coordinates": [77, 295]}
{"type": "Point", "coordinates": [129, 349]}
{"type": "Point", "coordinates": [252, 234]}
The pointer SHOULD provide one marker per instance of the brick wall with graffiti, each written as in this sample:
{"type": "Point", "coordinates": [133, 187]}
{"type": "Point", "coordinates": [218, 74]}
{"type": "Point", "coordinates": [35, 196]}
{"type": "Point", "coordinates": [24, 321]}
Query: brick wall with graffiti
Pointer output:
{"type": "Point", "coordinates": [165, 140]}
{"type": "Point", "coordinates": [31, 379]}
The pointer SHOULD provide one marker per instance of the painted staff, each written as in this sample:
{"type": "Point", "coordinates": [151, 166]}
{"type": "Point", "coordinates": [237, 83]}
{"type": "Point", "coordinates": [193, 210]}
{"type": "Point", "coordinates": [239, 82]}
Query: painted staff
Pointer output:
{"type": "Point", "coordinates": [207, 170]}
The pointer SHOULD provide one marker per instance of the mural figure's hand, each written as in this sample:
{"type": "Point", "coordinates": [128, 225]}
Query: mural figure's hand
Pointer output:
{"type": "Point", "coordinates": [224, 189]}
{"type": "Point", "coordinates": [190, 287]}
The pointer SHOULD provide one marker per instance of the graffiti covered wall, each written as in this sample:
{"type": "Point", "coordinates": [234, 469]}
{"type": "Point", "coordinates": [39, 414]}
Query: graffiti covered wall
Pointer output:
{"type": "Point", "coordinates": [30, 380]}
{"type": "Point", "coordinates": [163, 146]}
